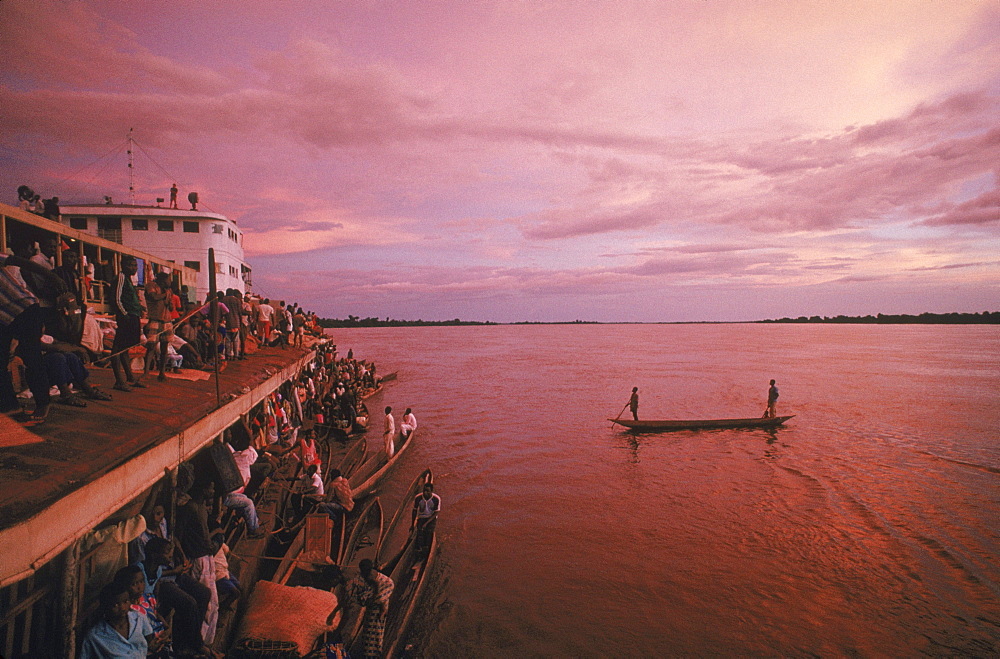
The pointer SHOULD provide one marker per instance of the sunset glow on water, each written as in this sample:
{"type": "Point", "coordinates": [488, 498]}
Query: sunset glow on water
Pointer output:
{"type": "Point", "coordinates": [866, 526]}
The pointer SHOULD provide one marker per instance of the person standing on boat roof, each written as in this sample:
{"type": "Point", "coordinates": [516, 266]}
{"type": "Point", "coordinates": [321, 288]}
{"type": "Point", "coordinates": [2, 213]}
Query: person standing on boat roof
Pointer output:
{"type": "Point", "coordinates": [772, 401]}
{"type": "Point", "coordinates": [633, 403]}
{"type": "Point", "coordinates": [390, 433]}
{"type": "Point", "coordinates": [173, 196]}
{"type": "Point", "coordinates": [264, 313]}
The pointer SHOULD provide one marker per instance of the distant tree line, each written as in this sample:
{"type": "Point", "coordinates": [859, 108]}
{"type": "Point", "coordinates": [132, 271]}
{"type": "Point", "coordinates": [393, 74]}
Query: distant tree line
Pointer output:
{"type": "Point", "coordinates": [984, 318]}
{"type": "Point", "coordinates": [356, 321]}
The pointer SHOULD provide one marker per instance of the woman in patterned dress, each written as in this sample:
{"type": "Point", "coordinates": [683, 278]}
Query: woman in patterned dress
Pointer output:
{"type": "Point", "coordinates": [372, 591]}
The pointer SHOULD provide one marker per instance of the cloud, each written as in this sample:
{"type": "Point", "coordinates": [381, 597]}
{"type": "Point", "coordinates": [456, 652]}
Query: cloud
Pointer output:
{"type": "Point", "coordinates": [984, 209]}
{"type": "Point", "coordinates": [502, 147]}
{"type": "Point", "coordinates": [954, 266]}
{"type": "Point", "coordinates": [581, 222]}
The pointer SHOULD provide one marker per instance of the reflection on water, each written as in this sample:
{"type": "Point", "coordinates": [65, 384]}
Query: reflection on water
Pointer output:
{"type": "Point", "coordinates": [869, 525]}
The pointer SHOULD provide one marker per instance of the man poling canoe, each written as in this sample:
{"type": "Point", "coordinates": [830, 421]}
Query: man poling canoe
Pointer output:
{"type": "Point", "coordinates": [633, 402]}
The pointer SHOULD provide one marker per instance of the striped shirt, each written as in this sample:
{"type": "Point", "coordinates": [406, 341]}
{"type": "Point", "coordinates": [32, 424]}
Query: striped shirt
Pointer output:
{"type": "Point", "coordinates": [126, 298]}
{"type": "Point", "coordinates": [14, 295]}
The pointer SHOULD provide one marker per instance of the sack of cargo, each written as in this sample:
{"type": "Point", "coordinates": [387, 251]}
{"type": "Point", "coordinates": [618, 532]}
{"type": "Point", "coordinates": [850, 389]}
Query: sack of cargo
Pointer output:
{"type": "Point", "coordinates": [279, 615]}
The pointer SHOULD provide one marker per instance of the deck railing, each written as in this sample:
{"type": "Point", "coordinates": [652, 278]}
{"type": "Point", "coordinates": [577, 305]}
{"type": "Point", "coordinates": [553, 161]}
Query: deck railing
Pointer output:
{"type": "Point", "coordinates": [100, 259]}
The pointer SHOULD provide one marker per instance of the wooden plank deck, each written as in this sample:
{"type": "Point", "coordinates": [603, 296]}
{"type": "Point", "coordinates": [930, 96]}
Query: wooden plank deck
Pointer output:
{"type": "Point", "coordinates": [90, 461]}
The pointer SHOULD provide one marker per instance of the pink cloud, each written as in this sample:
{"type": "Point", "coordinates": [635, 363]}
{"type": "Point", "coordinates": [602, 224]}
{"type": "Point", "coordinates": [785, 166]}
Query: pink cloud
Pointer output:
{"type": "Point", "coordinates": [503, 146]}
{"type": "Point", "coordinates": [984, 209]}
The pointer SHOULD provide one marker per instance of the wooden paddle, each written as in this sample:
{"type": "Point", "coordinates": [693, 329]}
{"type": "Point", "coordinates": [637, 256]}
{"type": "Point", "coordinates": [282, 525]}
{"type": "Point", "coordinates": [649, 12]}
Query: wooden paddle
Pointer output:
{"type": "Point", "coordinates": [620, 414]}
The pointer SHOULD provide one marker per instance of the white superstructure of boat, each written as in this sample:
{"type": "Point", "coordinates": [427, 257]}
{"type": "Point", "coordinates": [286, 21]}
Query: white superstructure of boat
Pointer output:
{"type": "Point", "coordinates": [179, 235]}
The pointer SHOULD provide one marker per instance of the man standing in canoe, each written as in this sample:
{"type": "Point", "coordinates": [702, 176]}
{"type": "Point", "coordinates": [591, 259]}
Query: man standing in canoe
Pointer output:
{"type": "Point", "coordinates": [426, 507]}
{"type": "Point", "coordinates": [390, 433]}
{"type": "Point", "coordinates": [772, 400]}
{"type": "Point", "coordinates": [633, 403]}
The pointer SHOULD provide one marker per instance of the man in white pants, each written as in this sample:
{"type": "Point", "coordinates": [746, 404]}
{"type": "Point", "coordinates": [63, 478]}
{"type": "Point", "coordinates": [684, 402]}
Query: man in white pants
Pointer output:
{"type": "Point", "coordinates": [390, 433]}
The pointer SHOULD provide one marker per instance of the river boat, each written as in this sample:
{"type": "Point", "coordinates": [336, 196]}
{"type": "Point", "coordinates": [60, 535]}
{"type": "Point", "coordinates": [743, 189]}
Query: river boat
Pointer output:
{"type": "Point", "coordinates": [407, 569]}
{"type": "Point", "coordinates": [172, 232]}
{"type": "Point", "coordinates": [404, 512]}
{"type": "Point", "coordinates": [364, 542]}
{"type": "Point", "coordinates": [363, 481]}
{"type": "Point", "coordinates": [353, 459]}
{"type": "Point", "coordinates": [337, 429]}
{"type": "Point", "coordinates": [371, 392]}
{"type": "Point", "coordinates": [365, 539]}
{"type": "Point", "coordinates": [76, 483]}
{"type": "Point", "coordinates": [666, 425]}
{"type": "Point", "coordinates": [300, 567]}
{"type": "Point", "coordinates": [409, 574]}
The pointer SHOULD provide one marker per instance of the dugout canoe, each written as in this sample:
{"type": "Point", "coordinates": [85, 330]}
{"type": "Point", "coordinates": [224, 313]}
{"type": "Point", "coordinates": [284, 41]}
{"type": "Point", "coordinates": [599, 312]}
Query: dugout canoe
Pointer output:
{"type": "Point", "coordinates": [368, 475]}
{"type": "Point", "coordinates": [364, 542]}
{"type": "Point", "coordinates": [401, 519]}
{"type": "Point", "coordinates": [665, 425]}
{"type": "Point", "coordinates": [408, 570]}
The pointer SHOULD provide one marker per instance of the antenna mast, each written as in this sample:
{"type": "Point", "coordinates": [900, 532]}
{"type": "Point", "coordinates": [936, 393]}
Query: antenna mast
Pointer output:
{"type": "Point", "coordinates": [131, 171]}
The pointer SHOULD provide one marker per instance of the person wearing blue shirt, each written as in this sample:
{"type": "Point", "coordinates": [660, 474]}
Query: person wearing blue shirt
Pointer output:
{"type": "Point", "coordinates": [121, 632]}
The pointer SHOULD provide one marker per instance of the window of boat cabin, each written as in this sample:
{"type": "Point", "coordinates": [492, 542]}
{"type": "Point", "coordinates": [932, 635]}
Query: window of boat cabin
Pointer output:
{"type": "Point", "coordinates": [216, 228]}
{"type": "Point", "coordinates": [191, 227]}
{"type": "Point", "coordinates": [164, 225]}
{"type": "Point", "coordinates": [194, 265]}
{"type": "Point", "coordinates": [219, 269]}
{"type": "Point", "coordinates": [79, 223]}
{"type": "Point", "coordinates": [140, 225]}
{"type": "Point", "coordinates": [110, 228]}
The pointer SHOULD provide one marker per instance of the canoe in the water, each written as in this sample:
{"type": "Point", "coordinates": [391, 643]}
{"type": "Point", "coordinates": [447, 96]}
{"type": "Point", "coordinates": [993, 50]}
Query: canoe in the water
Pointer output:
{"type": "Point", "coordinates": [661, 425]}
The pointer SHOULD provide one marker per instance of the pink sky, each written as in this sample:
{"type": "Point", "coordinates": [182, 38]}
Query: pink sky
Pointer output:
{"type": "Point", "coordinates": [646, 161]}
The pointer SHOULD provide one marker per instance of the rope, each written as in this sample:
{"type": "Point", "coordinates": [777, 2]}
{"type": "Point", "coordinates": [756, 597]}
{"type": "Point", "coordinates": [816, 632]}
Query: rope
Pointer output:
{"type": "Point", "coordinates": [158, 334]}
{"type": "Point", "coordinates": [161, 168]}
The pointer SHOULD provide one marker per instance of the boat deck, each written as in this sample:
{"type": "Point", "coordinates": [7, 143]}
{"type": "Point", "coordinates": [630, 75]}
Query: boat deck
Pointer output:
{"type": "Point", "coordinates": [83, 463]}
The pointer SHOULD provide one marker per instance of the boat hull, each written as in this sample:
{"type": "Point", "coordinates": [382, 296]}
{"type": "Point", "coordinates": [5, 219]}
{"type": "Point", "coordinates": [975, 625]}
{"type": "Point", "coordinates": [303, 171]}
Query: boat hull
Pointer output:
{"type": "Point", "coordinates": [666, 425]}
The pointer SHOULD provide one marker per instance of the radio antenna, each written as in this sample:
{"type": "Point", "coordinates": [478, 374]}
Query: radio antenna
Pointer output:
{"type": "Point", "coordinates": [131, 171]}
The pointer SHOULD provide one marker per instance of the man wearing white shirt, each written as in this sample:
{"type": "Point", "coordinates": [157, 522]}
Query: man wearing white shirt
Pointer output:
{"type": "Point", "coordinates": [264, 314]}
{"type": "Point", "coordinates": [390, 433]}
{"type": "Point", "coordinates": [409, 424]}
{"type": "Point", "coordinates": [237, 499]}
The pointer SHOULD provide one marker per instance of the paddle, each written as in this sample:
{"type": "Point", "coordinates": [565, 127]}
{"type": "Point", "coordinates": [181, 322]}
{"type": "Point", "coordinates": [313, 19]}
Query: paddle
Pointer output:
{"type": "Point", "coordinates": [620, 414]}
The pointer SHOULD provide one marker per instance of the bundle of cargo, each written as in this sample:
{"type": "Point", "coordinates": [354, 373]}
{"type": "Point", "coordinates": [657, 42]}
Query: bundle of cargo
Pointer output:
{"type": "Point", "coordinates": [284, 621]}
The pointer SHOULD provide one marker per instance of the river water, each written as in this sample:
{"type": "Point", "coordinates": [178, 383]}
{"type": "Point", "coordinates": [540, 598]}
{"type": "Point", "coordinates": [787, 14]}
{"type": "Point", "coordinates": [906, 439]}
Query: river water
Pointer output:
{"type": "Point", "coordinates": [868, 526]}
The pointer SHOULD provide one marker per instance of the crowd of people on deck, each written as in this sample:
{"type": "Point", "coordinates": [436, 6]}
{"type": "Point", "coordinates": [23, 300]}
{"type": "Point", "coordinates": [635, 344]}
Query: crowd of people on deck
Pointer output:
{"type": "Point", "coordinates": [167, 600]}
{"type": "Point", "coordinates": [45, 292]}
{"type": "Point", "coordinates": [28, 201]}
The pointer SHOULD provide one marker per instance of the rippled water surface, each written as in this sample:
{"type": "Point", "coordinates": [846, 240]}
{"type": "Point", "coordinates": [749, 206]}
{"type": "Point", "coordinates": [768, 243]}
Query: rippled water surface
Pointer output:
{"type": "Point", "coordinates": [869, 525]}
